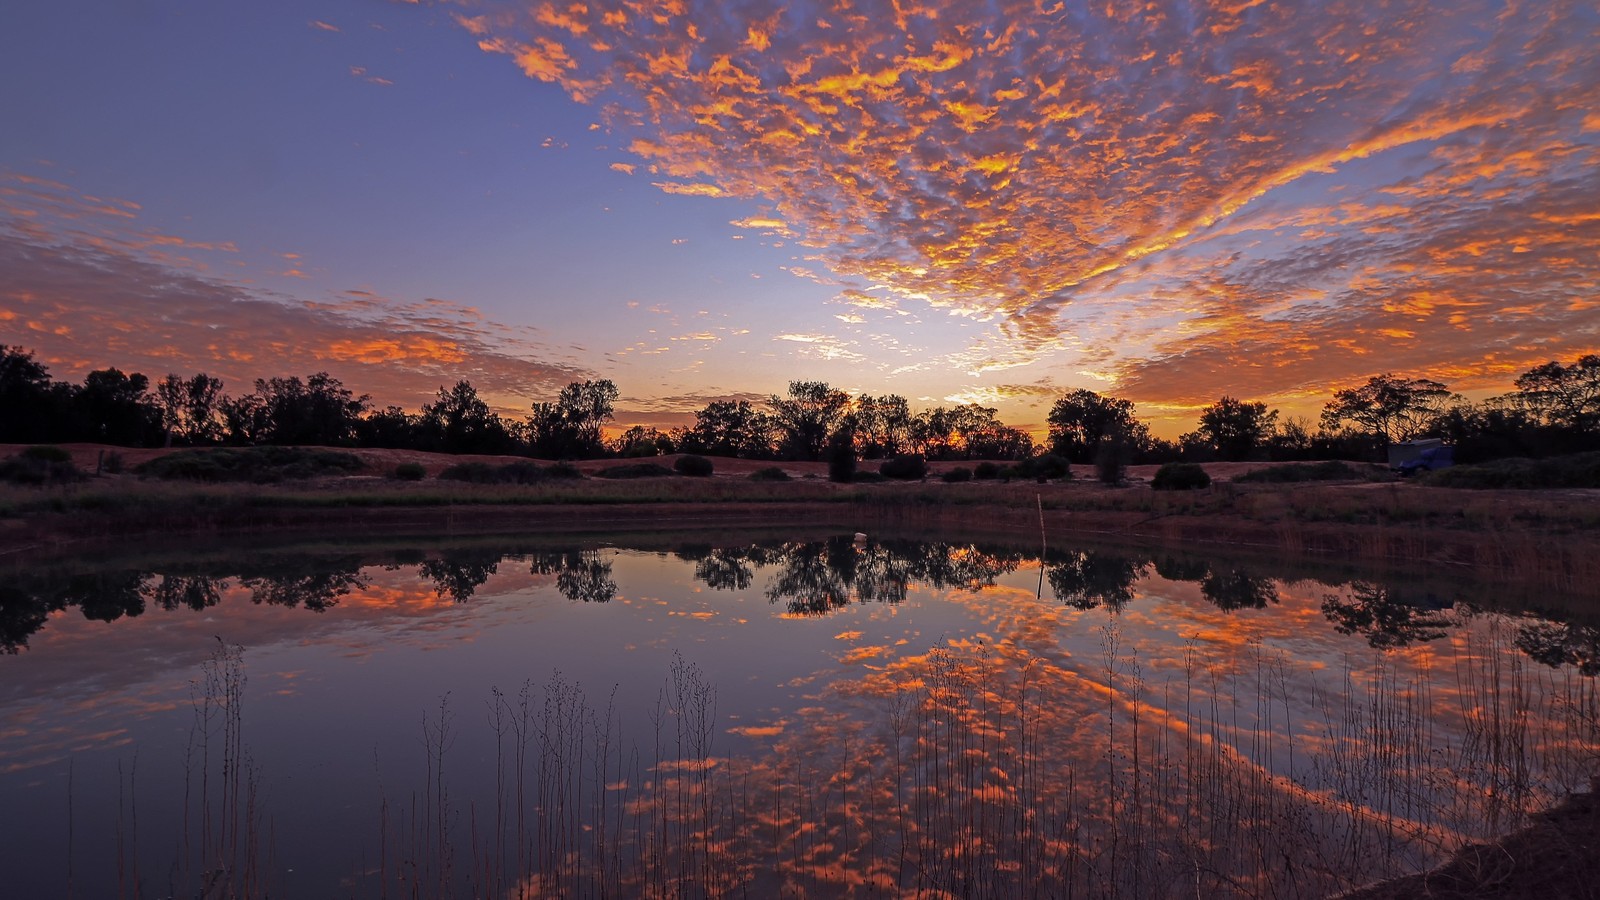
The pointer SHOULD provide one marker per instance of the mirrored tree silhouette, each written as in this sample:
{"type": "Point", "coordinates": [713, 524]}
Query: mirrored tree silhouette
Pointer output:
{"type": "Point", "coordinates": [459, 575]}
{"type": "Point", "coordinates": [1378, 613]}
{"type": "Point", "coordinates": [1231, 589]}
{"type": "Point", "coordinates": [580, 574]}
{"type": "Point", "coordinates": [107, 596]}
{"type": "Point", "coordinates": [316, 591]}
{"type": "Point", "coordinates": [1562, 644]}
{"type": "Point", "coordinates": [1087, 579]}
{"type": "Point", "coordinates": [194, 592]}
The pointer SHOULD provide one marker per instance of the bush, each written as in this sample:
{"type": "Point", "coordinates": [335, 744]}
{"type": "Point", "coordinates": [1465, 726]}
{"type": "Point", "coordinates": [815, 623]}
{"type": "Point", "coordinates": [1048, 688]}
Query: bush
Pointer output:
{"type": "Point", "coordinates": [410, 472]}
{"type": "Point", "coordinates": [985, 471]}
{"type": "Point", "coordinates": [1331, 470]}
{"type": "Point", "coordinates": [483, 473]}
{"type": "Point", "coordinates": [842, 456]}
{"type": "Point", "coordinates": [1579, 470]}
{"type": "Point", "coordinates": [522, 473]}
{"type": "Point", "coordinates": [770, 473]}
{"type": "Point", "coordinates": [46, 454]}
{"type": "Point", "coordinates": [114, 463]}
{"type": "Point", "coordinates": [868, 477]}
{"type": "Point", "coordinates": [40, 465]}
{"type": "Point", "coordinates": [470, 472]}
{"type": "Point", "coordinates": [636, 470]}
{"type": "Point", "coordinates": [696, 466]}
{"type": "Point", "coordinates": [563, 471]}
{"type": "Point", "coordinates": [956, 475]}
{"type": "Point", "coordinates": [1048, 467]}
{"type": "Point", "coordinates": [256, 464]}
{"type": "Point", "coordinates": [1111, 462]}
{"type": "Point", "coordinates": [1180, 477]}
{"type": "Point", "coordinates": [906, 467]}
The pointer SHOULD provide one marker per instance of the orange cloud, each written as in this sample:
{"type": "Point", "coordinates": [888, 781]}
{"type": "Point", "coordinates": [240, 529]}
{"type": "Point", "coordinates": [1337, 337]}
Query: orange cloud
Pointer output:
{"type": "Point", "coordinates": [1089, 178]}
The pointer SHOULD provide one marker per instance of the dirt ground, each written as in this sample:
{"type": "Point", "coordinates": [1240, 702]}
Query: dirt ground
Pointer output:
{"type": "Point", "coordinates": [89, 456]}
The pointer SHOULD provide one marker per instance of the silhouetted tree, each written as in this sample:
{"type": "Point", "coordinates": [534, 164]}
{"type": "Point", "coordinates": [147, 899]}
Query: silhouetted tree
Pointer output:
{"type": "Point", "coordinates": [842, 452]}
{"type": "Point", "coordinates": [883, 426]}
{"type": "Point", "coordinates": [643, 440]}
{"type": "Point", "coordinates": [317, 411]}
{"type": "Point", "coordinates": [393, 427]}
{"type": "Point", "coordinates": [806, 417]}
{"type": "Point", "coordinates": [1564, 396]}
{"type": "Point", "coordinates": [115, 408]}
{"type": "Point", "coordinates": [731, 428]}
{"type": "Point", "coordinates": [1081, 420]}
{"type": "Point", "coordinates": [1235, 428]}
{"type": "Point", "coordinates": [462, 423]}
{"type": "Point", "coordinates": [1389, 407]}
{"type": "Point", "coordinates": [570, 428]}
{"type": "Point", "coordinates": [28, 408]}
{"type": "Point", "coordinates": [189, 408]}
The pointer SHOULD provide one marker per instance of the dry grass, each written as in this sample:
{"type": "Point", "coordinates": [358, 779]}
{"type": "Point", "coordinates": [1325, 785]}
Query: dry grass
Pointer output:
{"type": "Point", "coordinates": [1539, 535]}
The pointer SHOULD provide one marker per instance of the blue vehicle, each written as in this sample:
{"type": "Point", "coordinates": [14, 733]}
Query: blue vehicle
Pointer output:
{"type": "Point", "coordinates": [1425, 455]}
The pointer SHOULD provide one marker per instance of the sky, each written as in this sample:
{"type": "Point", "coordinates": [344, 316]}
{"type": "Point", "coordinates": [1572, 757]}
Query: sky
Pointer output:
{"type": "Point", "coordinates": [992, 202]}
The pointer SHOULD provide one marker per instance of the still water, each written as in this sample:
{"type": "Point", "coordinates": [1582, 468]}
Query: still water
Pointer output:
{"type": "Point", "coordinates": [810, 716]}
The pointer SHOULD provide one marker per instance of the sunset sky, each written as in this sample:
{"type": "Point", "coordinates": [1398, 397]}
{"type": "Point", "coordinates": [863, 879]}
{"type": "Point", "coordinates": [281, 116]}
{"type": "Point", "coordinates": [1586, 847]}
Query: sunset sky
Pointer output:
{"type": "Point", "coordinates": [994, 202]}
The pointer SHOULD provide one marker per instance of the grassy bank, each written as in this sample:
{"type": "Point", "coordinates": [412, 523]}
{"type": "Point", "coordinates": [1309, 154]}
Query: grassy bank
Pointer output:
{"type": "Point", "coordinates": [1543, 536]}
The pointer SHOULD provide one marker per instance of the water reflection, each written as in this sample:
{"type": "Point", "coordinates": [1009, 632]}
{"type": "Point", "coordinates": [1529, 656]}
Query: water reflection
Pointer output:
{"type": "Point", "coordinates": [927, 717]}
{"type": "Point", "coordinates": [808, 578]}
{"type": "Point", "coordinates": [580, 574]}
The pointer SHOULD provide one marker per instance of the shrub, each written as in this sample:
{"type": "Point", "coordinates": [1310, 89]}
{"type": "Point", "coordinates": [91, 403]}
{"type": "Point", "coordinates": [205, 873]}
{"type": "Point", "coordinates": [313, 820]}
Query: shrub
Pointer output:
{"type": "Point", "coordinates": [46, 454]}
{"type": "Point", "coordinates": [696, 466]}
{"type": "Point", "coordinates": [1048, 467]}
{"type": "Point", "coordinates": [1579, 470]}
{"type": "Point", "coordinates": [985, 471]}
{"type": "Point", "coordinates": [410, 472]}
{"type": "Point", "coordinates": [522, 472]}
{"type": "Point", "coordinates": [770, 473]}
{"type": "Point", "coordinates": [38, 465]}
{"type": "Point", "coordinates": [563, 471]}
{"type": "Point", "coordinates": [842, 456]}
{"type": "Point", "coordinates": [1111, 462]}
{"type": "Point", "coordinates": [470, 472]}
{"type": "Point", "coordinates": [257, 464]}
{"type": "Point", "coordinates": [519, 472]}
{"type": "Point", "coordinates": [636, 470]}
{"type": "Point", "coordinates": [1180, 477]}
{"type": "Point", "coordinates": [906, 467]}
{"type": "Point", "coordinates": [114, 463]}
{"type": "Point", "coordinates": [1331, 470]}
{"type": "Point", "coordinates": [868, 477]}
{"type": "Point", "coordinates": [956, 475]}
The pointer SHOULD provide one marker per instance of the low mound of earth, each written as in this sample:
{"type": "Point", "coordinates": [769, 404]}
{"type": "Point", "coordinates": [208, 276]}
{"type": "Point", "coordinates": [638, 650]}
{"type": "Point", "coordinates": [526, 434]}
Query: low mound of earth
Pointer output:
{"type": "Point", "coordinates": [1556, 856]}
{"type": "Point", "coordinates": [380, 461]}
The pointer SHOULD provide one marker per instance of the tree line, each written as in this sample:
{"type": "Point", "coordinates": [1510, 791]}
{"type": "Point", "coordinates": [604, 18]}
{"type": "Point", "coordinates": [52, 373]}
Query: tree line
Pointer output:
{"type": "Point", "coordinates": [1554, 409]}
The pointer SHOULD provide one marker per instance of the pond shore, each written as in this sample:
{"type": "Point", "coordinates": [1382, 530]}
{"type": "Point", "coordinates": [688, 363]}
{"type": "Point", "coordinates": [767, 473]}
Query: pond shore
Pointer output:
{"type": "Point", "coordinates": [1540, 538]}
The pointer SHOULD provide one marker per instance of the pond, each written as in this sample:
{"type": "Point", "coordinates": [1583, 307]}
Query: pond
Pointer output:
{"type": "Point", "coordinates": [807, 715]}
